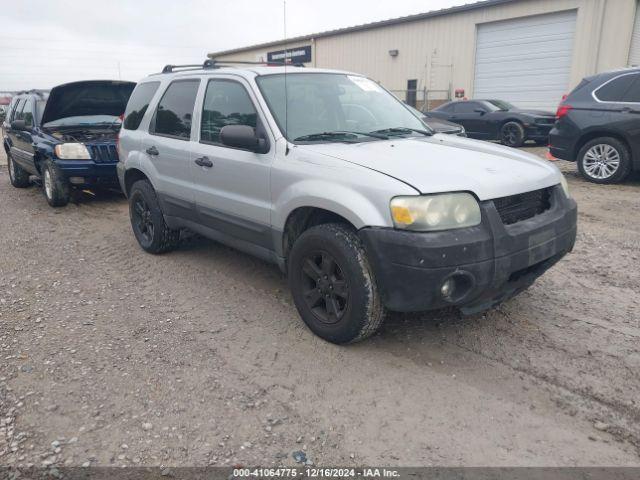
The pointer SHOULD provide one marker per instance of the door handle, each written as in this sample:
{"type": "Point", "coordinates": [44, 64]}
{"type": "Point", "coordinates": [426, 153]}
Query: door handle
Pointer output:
{"type": "Point", "coordinates": [153, 151]}
{"type": "Point", "coordinates": [204, 162]}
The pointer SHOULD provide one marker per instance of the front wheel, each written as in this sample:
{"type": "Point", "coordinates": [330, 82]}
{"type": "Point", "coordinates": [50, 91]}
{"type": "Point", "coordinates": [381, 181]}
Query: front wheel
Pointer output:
{"type": "Point", "coordinates": [55, 186]}
{"type": "Point", "coordinates": [147, 220]}
{"type": "Point", "coordinates": [512, 134]}
{"type": "Point", "coordinates": [604, 160]}
{"type": "Point", "coordinates": [333, 286]}
{"type": "Point", "coordinates": [18, 176]}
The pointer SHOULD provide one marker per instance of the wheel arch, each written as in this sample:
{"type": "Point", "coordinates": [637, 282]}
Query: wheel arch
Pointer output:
{"type": "Point", "coordinates": [592, 135]}
{"type": "Point", "coordinates": [131, 176]}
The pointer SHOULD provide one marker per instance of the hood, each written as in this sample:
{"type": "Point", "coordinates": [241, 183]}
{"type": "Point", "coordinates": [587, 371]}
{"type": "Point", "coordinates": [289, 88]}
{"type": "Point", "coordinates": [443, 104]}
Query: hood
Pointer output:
{"type": "Point", "coordinates": [440, 125]}
{"type": "Point", "coordinates": [446, 163]}
{"type": "Point", "coordinates": [535, 113]}
{"type": "Point", "coordinates": [93, 97]}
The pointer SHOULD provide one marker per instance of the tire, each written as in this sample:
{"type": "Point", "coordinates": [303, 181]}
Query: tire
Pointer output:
{"type": "Point", "coordinates": [147, 220]}
{"type": "Point", "coordinates": [333, 286]}
{"type": "Point", "coordinates": [512, 134]}
{"type": "Point", "coordinates": [18, 176]}
{"type": "Point", "coordinates": [54, 185]}
{"type": "Point", "coordinates": [604, 160]}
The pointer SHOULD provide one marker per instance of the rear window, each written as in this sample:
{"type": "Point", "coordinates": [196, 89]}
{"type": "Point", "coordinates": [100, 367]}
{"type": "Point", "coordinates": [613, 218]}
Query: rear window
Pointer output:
{"type": "Point", "coordinates": [615, 90]}
{"type": "Point", "coordinates": [175, 111]}
{"type": "Point", "coordinates": [138, 104]}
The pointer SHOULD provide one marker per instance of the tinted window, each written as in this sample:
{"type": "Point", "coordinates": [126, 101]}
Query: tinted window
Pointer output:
{"type": "Point", "coordinates": [447, 107]}
{"type": "Point", "coordinates": [616, 89]}
{"type": "Point", "coordinates": [175, 110]}
{"type": "Point", "coordinates": [633, 93]}
{"type": "Point", "coordinates": [466, 107]}
{"type": "Point", "coordinates": [138, 104]}
{"type": "Point", "coordinates": [27, 114]}
{"type": "Point", "coordinates": [17, 111]}
{"type": "Point", "coordinates": [225, 103]}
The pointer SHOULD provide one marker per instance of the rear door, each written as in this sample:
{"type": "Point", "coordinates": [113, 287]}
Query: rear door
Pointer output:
{"type": "Point", "coordinates": [168, 147]}
{"type": "Point", "coordinates": [21, 141]}
{"type": "Point", "coordinates": [232, 185]}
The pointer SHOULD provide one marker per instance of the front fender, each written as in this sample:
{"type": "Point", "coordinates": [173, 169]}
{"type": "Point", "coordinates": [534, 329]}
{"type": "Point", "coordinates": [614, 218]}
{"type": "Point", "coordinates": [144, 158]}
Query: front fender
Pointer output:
{"type": "Point", "coordinates": [339, 199]}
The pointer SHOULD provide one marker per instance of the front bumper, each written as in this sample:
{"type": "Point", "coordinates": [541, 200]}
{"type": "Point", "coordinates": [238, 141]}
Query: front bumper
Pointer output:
{"type": "Point", "coordinates": [93, 173]}
{"type": "Point", "coordinates": [488, 263]}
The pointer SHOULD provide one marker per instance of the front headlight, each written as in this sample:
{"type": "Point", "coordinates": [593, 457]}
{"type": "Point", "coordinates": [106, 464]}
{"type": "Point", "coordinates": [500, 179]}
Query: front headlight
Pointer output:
{"type": "Point", "coordinates": [565, 186]}
{"type": "Point", "coordinates": [435, 212]}
{"type": "Point", "coordinates": [72, 151]}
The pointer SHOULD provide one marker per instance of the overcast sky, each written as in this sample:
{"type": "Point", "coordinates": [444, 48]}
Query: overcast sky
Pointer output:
{"type": "Point", "coordinates": [44, 43]}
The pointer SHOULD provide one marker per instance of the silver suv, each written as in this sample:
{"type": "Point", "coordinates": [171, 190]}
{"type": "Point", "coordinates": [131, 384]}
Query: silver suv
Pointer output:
{"type": "Point", "coordinates": [328, 175]}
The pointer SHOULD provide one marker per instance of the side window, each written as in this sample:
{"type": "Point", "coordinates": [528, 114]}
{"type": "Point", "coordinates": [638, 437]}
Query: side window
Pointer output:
{"type": "Point", "coordinates": [175, 111]}
{"type": "Point", "coordinates": [138, 104]}
{"type": "Point", "coordinates": [27, 113]}
{"type": "Point", "coordinates": [632, 95]}
{"type": "Point", "coordinates": [225, 103]}
{"type": "Point", "coordinates": [447, 107]}
{"type": "Point", "coordinates": [466, 107]}
{"type": "Point", "coordinates": [616, 89]}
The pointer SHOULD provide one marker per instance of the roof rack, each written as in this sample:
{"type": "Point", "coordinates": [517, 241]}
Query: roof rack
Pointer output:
{"type": "Point", "coordinates": [212, 63]}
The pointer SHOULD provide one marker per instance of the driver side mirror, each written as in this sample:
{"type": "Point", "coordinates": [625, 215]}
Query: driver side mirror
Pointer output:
{"type": "Point", "coordinates": [244, 137]}
{"type": "Point", "coordinates": [19, 125]}
{"type": "Point", "coordinates": [481, 111]}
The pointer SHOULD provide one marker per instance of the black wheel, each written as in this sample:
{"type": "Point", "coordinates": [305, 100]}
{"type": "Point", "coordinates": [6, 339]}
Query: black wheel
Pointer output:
{"type": "Point", "coordinates": [147, 220]}
{"type": "Point", "coordinates": [18, 176]}
{"type": "Point", "coordinates": [604, 160]}
{"type": "Point", "coordinates": [333, 285]}
{"type": "Point", "coordinates": [54, 185]}
{"type": "Point", "coordinates": [512, 134]}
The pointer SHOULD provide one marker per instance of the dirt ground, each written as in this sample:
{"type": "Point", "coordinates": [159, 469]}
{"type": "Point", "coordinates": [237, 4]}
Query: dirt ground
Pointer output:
{"type": "Point", "coordinates": [111, 356]}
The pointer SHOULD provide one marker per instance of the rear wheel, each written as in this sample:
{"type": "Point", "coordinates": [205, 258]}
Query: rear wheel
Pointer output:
{"type": "Point", "coordinates": [604, 160]}
{"type": "Point", "coordinates": [512, 134]}
{"type": "Point", "coordinates": [18, 176]}
{"type": "Point", "coordinates": [333, 285]}
{"type": "Point", "coordinates": [147, 220]}
{"type": "Point", "coordinates": [54, 185]}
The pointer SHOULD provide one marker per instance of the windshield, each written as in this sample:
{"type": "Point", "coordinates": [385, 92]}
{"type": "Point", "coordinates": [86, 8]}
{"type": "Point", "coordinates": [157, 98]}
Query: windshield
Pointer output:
{"type": "Point", "coordinates": [85, 120]}
{"type": "Point", "coordinates": [501, 105]}
{"type": "Point", "coordinates": [322, 103]}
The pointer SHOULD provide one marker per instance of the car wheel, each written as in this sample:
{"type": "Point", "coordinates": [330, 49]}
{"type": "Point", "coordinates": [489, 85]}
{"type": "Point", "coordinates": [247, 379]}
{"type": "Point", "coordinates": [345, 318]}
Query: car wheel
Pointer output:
{"type": "Point", "coordinates": [18, 176]}
{"type": "Point", "coordinates": [512, 134]}
{"type": "Point", "coordinates": [333, 286]}
{"type": "Point", "coordinates": [147, 220]}
{"type": "Point", "coordinates": [604, 160]}
{"type": "Point", "coordinates": [54, 185]}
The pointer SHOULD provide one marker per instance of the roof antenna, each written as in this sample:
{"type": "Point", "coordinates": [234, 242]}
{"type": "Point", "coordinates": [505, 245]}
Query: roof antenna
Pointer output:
{"type": "Point", "coordinates": [286, 98]}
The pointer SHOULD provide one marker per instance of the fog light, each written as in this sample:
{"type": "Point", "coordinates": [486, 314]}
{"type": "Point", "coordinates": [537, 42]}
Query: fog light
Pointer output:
{"type": "Point", "coordinates": [76, 180]}
{"type": "Point", "coordinates": [448, 287]}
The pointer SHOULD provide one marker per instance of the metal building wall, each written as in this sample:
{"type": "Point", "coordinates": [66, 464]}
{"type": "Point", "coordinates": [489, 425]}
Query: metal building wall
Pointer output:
{"type": "Point", "coordinates": [440, 51]}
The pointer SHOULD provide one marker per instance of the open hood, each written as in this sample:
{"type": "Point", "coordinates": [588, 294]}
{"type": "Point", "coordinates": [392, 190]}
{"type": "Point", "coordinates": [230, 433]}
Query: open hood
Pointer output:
{"type": "Point", "coordinates": [91, 97]}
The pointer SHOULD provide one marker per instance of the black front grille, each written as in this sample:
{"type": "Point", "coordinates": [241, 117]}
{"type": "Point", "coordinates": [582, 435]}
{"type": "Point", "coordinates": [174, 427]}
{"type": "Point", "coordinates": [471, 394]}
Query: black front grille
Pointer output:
{"type": "Point", "coordinates": [103, 153]}
{"type": "Point", "coordinates": [520, 207]}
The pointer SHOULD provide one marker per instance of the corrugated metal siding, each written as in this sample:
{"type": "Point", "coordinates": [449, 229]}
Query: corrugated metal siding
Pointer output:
{"type": "Point", "coordinates": [440, 51]}
{"type": "Point", "coordinates": [634, 52]}
{"type": "Point", "coordinates": [526, 61]}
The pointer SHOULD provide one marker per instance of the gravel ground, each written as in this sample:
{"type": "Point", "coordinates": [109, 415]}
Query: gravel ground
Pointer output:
{"type": "Point", "coordinates": [111, 356]}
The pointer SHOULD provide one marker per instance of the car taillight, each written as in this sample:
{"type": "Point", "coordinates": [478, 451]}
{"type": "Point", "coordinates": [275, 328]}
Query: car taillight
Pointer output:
{"type": "Point", "coordinates": [563, 110]}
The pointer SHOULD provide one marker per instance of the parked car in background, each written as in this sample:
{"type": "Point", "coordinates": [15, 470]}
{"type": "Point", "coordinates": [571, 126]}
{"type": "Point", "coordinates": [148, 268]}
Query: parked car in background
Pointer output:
{"type": "Point", "coordinates": [498, 120]}
{"type": "Point", "coordinates": [66, 137]}
{"type": "Point", "coordinates": [598, 126]}
{"type": "Point", "coordinates": [334, 180]}
{"type": "Point", "coordinates": [439, 125]}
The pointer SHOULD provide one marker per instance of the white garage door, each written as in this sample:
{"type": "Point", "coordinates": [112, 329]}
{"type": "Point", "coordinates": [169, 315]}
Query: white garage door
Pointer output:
{"type": "Point", "coordinates": [526, 61]}
{"type": "Point", "coordinates": [634, 53]}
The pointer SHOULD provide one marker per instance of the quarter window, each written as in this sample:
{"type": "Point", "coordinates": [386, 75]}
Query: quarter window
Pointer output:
{"type": "Point", "coordinates": [138, 104]}
{"type": "Point", "coordinates": [225, 103]}
{"type": "Point", "coordinates": [616, 89]}
{"type": "Point", "coordinates": [174, 114]}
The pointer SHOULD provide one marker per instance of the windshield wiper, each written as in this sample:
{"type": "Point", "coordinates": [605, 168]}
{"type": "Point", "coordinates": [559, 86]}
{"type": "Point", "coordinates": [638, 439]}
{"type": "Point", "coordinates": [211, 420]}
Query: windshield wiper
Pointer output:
{"type": "Point", "coordinates": [337, 134]}
{"type": "Point", "coordinates": [401, 131]}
